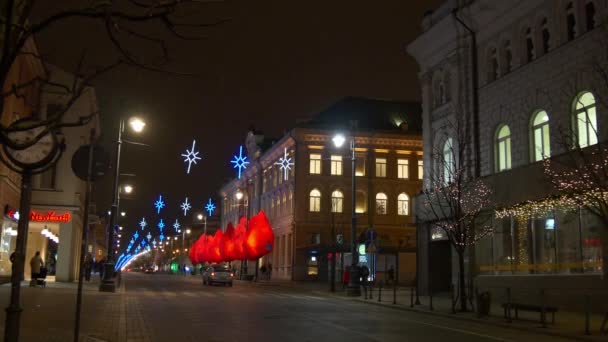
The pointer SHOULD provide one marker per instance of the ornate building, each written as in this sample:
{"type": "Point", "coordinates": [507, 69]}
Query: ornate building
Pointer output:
{"type": "Point", "coordinates": [309, 204]}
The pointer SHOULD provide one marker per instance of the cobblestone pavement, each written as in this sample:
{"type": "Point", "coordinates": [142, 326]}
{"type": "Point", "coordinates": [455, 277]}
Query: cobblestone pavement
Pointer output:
{"type": "Point", "coordinates": [157, 307]}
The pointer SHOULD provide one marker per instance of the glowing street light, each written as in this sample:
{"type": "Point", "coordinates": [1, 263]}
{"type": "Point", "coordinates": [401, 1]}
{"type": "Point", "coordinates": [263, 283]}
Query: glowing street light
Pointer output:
{"type": "Point", "coordinates": [123, 214]}
{"type": "Point", "coordinates": [199, 217]}
{"type": "Point", "coordinates": [128, 188]}
{"type": "Point", "coordinates": [137, 124]}
{"type": "Point", "coordinates": [239, 195]}
{"type": "Point", "coordinates": [338, 140]}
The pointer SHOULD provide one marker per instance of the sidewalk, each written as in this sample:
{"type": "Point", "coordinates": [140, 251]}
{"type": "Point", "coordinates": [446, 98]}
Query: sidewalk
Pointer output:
{"type": "Point", "coordinates": [567, 324]}
{"type": "Point", "coordinates": [49, 313]}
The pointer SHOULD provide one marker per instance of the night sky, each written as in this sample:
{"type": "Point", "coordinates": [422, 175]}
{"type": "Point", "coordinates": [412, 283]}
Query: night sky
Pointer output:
{"type": "Point", "coordinates": [273, 63]}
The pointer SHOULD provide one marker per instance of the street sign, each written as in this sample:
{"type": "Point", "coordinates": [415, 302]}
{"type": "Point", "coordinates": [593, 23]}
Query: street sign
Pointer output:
{"type": "Point", "coordinates": [372, 248]}
{"type": "Point", "coordinates": [80, 161]}
{"type": "Point", "coordinates": [371, 235]}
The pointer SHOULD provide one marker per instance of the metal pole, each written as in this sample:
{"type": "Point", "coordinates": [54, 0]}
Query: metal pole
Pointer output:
{"type": "Point", "coordinates": [85, 230]}
{"type": "Point", "coordinates": [353, 283]}
{"type": "Point", "coordinates": [108, 284]}
{"type": "Point", "coordinates": [13, 311]}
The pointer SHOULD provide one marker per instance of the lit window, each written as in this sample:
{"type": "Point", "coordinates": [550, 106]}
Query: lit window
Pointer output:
{"type": "Point", "coordinates": [381, 203]}
{"type": "Point", "coordinates": [380, 167]}
{"type": "Point", "coordinates": [403, 168]}
{"type": "Point", "coordinates": [540, 136]}
{"type": "Point", "coordinates": [360, 166]}
{"type": "Point", "coordinates": [448, 161]}
{"type": "Point", "coordinates": [361, 201]}
{"type": "Point", "coordinates": [503, 148]}
{"type": "Point", "coordinates": [315, 200]}
{"type": "Point", "coordinates": [585, 119]}
{"type": "Point", "coordinates": [336, 165]}
{"type": "Point", "coordinates": [315, 164]}
{"type": "Point", "coordinates": [336, 201]}
{"type": "Point", "coordinates": [403, 204]}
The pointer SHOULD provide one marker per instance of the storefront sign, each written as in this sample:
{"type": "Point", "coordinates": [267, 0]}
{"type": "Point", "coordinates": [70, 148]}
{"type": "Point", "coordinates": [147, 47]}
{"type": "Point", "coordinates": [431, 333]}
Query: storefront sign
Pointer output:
{"type": "Point", "coordinates": [49, 216]}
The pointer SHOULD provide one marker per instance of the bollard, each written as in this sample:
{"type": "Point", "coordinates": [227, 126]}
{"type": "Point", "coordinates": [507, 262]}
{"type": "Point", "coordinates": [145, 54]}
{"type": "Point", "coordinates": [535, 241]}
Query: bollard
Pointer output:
{"type": "Point", "coordinates": [431, 299]}
{"type": "Point", "coordinates": [543, 318]}
{"type": "Point", "coordinates": [412, 297]}
{"type": "Point", "coordinates": [508, 306]}
{"type": "Point", "coordinates": [379, 293]}
{"type": "Point", "coordinates": [394, 294]}
{"type": "Point", "coordinates": [587, 315]}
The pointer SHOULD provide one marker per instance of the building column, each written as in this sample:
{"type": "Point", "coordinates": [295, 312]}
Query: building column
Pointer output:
{"type": "Point", "coordinates": [67, 252]}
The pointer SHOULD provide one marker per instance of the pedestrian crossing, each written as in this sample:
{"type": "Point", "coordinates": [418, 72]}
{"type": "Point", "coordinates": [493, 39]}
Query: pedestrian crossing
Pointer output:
{"type": "Point", "coordinates": [173, 294]}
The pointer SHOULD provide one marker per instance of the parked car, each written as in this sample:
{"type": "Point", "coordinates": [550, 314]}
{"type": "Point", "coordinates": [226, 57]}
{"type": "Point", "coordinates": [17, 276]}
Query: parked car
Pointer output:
{"type": "Point", "coordinates": [149, 270]}
{"type": "Point", "coordinates": [218, 274]}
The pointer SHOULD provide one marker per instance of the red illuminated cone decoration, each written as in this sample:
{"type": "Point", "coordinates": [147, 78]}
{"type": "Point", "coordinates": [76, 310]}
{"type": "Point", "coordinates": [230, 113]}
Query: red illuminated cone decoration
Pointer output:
{"type": "Point", "coordinates": [259, 240]}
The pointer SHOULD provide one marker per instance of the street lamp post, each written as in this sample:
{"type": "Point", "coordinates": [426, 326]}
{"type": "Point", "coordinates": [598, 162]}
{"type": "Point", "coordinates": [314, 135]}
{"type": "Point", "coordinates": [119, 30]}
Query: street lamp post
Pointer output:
{"type": "Point", "coordinates": [108, 284]}
{"type": "Point", "coordinates": [353, 288]}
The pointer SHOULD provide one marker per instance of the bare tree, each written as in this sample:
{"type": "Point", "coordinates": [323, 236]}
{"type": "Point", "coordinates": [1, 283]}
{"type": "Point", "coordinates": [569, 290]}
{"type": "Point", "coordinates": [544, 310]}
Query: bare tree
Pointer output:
{"type": "Point", "coordinates": [454, 201]}
{"type": "Point", "coordinates": [125, 28]}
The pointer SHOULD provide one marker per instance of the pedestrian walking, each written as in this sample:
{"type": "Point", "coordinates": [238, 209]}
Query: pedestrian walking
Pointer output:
{"type": "Point", "coordinates": [36, 264]}
{"type": "Point", "coordinates": [390, 275]}
{"type": "Point", "coordinates": [345, 277]}
{"type": "Point", "coordinates": [88, 267]}
{"type": "Point", "coordinates": [263, 271]}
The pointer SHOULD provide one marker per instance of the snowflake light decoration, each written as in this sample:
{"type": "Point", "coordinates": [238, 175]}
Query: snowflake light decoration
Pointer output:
{"type": "Point", "coordinates": [240, 162]}
{"type": "Point", "coordinates": [176, 225]}
{"type": "Point", "coordinates": [161, 237]}
{"type": "Point", "coordinates": [143, 242]}
{"type": "Point", "coordinates": [143, 223]}
{"type": "Point", "coordinates": [154, 242]}
{"type": "Point", "coordinates": [161, 225]}
{"type": "Point", "coordinates": [132, 241]}
{"type": "Point", "coordinates": [186, 206]}
{"type": "Point", "coordinates": [210, 207]}
{"type": "Point", "coordinates": [137, 249]}
{"type": "Point", "coordinates": [149, 236]}
{"type": "Point", "coordinates": [159, 204]}
{"type": "Point", "coordinates": [285, 164]}
{"type": "Point", "coordinates": [136, 235]}
{"type": "Point", "coordinates": [148, 248]}
{"type": "Point", "coordinates": [191, 156]}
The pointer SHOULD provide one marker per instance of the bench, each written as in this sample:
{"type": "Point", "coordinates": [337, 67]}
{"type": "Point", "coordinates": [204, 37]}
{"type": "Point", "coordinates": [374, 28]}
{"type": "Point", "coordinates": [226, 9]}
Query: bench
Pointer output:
{"type": "Point", "coordinates": [529, 307]}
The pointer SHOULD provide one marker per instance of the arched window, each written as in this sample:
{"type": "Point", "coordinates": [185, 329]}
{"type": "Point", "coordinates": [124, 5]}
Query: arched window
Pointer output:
{"type": "Point", "coordinates": [545, 35]}
{"type": "Point", "coordinates": [540, 136]}
{"type": "Point", "coordinates": [315, 200]}
{"type": "Point", "coordinates": [507, 57]}
{"type": "Point", "coordinates": [585, 119]}
{"type": "Point", "coordinates": [529, 45]}
{"type": "Point", "coordinates": [590, 15]}
{"type": "Point", "coordinates": [492, 65]}
{"type": "Point", "coordinates": [403, 204]}
{"type": "Point", "coordinates": [570, 21]}
{"type": "Point", "coordinates": [381, 200]}
{"type": "Point", "coordinates": [336, 201]}
{"type": "Point", "coordinates": [448, 161]}
{"type": "Point", "coordinates": [503, 148]}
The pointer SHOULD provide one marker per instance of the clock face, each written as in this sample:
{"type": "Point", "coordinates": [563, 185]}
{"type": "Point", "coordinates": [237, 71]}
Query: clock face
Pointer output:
{"type": "Point", "coordinates": [39, 153]}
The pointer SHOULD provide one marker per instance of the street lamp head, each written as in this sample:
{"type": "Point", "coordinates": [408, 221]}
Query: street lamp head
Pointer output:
{"type": "Point", "coordinates": [128, 188]}
{"type": "Point", "coordinates": [175, 238]}
{"type": "Point", "coordinates": [123, 214]}
{"type": "Point", "coordinates": [338, 140]}
{"type": "Point", "coordinates": [239, 195]}
{"type": "Point", "coordinates": [187, 231]}
{"type": "Point", "coordinates": [199, 217]}
{"type": "Point", "coordinates": [137, 124]}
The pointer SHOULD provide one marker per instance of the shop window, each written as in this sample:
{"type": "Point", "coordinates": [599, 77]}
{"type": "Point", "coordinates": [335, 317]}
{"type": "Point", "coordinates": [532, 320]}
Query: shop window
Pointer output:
{"type": "Point", "coordinates": [591, 228]}
{"type": "Point", "coordinates": [503, 245]}
{"type": "Point", "coordinates": [540, 136]}
{"type": "Point", "coordinates": [543, 247]}
{"type": "Point", "coordinates": [403, 168]}
{"type": "Point", "coordinates": [336, 165]}
{"type": "Point", "coordinates": [315, 164]}
{"type": "Point", "coordinates": [585, 119]}
{"type": "Point", "coordinates": [380, 167]}
{"type": "Point", "coordinates": [381, 200]}
{"type": "Point", "coordinates": [568, 241]}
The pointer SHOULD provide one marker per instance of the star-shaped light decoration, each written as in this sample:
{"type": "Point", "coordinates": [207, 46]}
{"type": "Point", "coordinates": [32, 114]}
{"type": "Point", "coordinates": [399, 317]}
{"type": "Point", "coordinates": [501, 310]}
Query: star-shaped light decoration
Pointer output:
{"type": "Point", "coordinates": [154, 242]}
{"type": "Point", "coordinates": [149, 236]}
{"type": "Point", "coordinates": [143, 223]}
{"type": "Point", "coordinates": [143, 242]}
{"type": "Point", "coordinates": [191, 156]}
{"type": "Point", "coordinates": [137, 249]}
{"type": "Point", "coordinates": [161, 225]}
{"type": "Point", "coordinates": [210, 207]}
{"type": "Point", "coordinates": [148, 248]}
{"type": "Point", "coordinates": [132, 241]}
{"type": "Point", "coordinates": [136, 235]}
{"type": "Point", "coordinates": [240, 162]}
{"type": "Point", "coordinates": [285, 164]}
{"type": "Point", "coordinates": [186, 206]}
{"type": "Point", "coordinates": [161, 237]}
{"type": "Point", "coordinates": [176, 225]}
{"type": "Point", "coordinates": [159, 204]}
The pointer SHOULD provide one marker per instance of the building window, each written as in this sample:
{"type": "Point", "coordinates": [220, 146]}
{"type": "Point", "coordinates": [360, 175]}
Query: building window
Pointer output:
{"type": "Point", "coordinates": [420, 169]}
{"type": "Point", "coordinates": [403, 204]}
{"type": "Point", "coordinates": [360, 166]}
{"type": "Point", "coordinates": [492, 65]}
{"type": "Point", "coordinates": [381, 203]}
{"type": "Point", "coordinates": [590, 15]}
{"type": "Point", "coordinates": [336, 165]}
{"type": "Point", "coordinates": [336, 201]}
{"type": "Point", "coordinates": [47, 178]}
{"type": "Point", "coordinates": [508, 57]}
{"type": "Point", "coordinates": [403, 166]}
{"type": "Point", "coordinates": [447, 81]}
{"type": "Point", "coordinates": [361, 200]}
{"type": "Point", "coordinates": [380, 167]}
{"type": "Point", "coordinates": [503, 148]}
{"type": "Point", "coordinates": [585, 119]}
{"type": "Point", "coordinates": [448, 161]}
{"type": "Point", "coordinates": [545, 35]}
{"type": "Point", "coordinates": [315, 164]}
{"type": "Point", "coordinates": [529, 39]}
{"type": "Point", "coordinates": [570, 21]}
{"type": "Point", "coordinates": [315, 201]}
{"type": "Point", "coordinates": [540, 136]}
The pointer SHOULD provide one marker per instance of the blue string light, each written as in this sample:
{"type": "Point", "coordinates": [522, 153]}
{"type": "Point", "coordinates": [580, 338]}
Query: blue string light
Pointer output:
{"type": "Point", "coordinates": [143, 223]}
{"type": "Point", "coordinates": [240, 162]}
{"type": "Point", "coordinates": [159, 204]}
{"type": "Point", "coordinates": [191, 156]}
{"type": "Point", "coordinates": [161, 225]}
{"type": "Point", "coordinates": [186, 206]}
{"type": "Point", "coordinates": [210, 207]}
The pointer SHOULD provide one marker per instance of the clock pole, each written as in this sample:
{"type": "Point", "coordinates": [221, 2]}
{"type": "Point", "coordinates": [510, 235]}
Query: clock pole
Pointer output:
{"type": "Point", "coordinates": [13, 311]}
